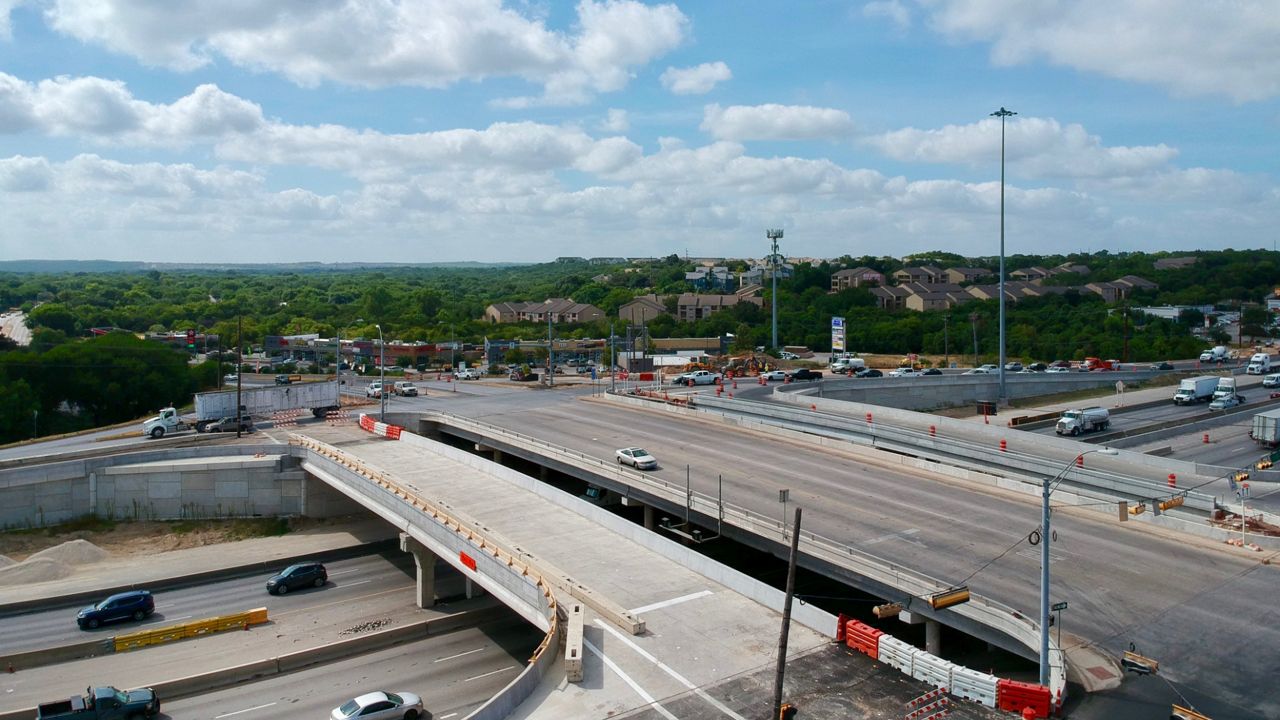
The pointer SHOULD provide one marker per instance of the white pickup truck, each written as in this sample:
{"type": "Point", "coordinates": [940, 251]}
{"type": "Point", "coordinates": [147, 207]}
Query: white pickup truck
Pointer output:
{"type": "Point", "coordinates": [697, 377]}
{"type": "Point", "coordinates": [467, 374]}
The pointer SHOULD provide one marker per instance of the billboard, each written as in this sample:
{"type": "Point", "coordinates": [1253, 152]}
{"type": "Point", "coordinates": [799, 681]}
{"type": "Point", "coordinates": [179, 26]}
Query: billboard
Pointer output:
{"type": "Point", "coordinates": [837, 334]}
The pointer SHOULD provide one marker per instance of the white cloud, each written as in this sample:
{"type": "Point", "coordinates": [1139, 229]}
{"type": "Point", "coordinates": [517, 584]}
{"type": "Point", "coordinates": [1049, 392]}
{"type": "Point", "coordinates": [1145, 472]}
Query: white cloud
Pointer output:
{"type": "Point", "coordinates": [1191, 47]}
{"type": "Point", "coordinates": [697, 80]}
{"type": "Point", "coordinates": [102, 110]}
{"type": "Point", "coordinates": [1036, 147]}
{"type": "Point", "coordinates": [616, 121]}
{"type": "Point", "coordinates": [380, 43]}
{"type": "Point", "coordinates": [894, 10]}
{"type": "Point", "coordinates": [775, 122]}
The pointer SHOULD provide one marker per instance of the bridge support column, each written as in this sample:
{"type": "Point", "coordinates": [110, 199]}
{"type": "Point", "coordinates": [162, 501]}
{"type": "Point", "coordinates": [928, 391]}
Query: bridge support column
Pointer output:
{"type": "Point", "coordinates": [649, 523]}
{"type": "Point", "coordinates": [473, 590]}
{"type": "Point", "coordinates": [544, 472]}
{"type": "Point", "coordinates": [425, 560]}
{"type": "Point", "coordinates": [932, 637]}
{"type": "Point", "coordinates": [497, 456]}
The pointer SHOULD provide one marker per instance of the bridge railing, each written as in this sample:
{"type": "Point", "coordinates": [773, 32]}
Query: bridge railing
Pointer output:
{"type": "Point", "coordinates": [396, 498]}
{"type": "Point", "coordinates": [985, 611]}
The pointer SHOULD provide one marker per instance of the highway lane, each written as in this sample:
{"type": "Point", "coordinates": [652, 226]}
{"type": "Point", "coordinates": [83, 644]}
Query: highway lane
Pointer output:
{"type": "Point", "coordinates": [369, 579]}
{"type": "Point", "coordinates": [1123, 582]}
{"type": "Point", "coordinates": [454, 673]}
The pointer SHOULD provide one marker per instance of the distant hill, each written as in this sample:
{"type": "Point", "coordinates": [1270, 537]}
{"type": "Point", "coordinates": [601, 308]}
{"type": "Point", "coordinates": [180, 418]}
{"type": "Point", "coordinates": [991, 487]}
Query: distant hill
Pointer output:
{"type": "Point", "coordinates": [74, 266]}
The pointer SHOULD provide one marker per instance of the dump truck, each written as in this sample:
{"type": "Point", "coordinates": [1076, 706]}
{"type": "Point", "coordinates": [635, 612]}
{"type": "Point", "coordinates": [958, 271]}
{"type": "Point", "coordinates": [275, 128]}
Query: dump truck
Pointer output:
{"type": "Point", "coordinates": [1266, 428]}
{"type": "Point", "coordinates": [1074, 422]}
{"type": "Point", "coordinates": [102, 703]}
{"type": "Point", "coordinates": [1196, 389]}
{"type": "Point", "coordinates": [318, 397]}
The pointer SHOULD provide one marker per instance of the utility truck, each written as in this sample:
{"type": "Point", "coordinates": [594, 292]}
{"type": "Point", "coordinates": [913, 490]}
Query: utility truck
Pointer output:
{"type": "Point", "coordinates": [318, 397]}
{"type": "Point", "coordinates": [102, 703]}
{"type": "Point", "coordinates": [1074, 422]}
{"type": "Point", "coordinates": [1196, 389]}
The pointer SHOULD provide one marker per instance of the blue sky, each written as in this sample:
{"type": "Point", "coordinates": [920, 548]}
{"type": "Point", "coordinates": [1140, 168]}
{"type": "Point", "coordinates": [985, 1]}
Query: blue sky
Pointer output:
{"type": "Point", "coordinates": [450, 130]}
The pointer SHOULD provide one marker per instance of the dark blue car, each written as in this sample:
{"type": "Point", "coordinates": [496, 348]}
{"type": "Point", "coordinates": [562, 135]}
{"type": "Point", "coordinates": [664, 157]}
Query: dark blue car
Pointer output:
{"type": "Point", "coordinates": [132, 605]}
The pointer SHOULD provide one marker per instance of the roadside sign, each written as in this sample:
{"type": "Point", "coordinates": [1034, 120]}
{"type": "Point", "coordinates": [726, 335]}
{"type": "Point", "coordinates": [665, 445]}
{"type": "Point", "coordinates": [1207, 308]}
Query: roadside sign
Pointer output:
{"type": "Point", "coordinates": [1059, 606]}
{"type": "Point", "coordinates": [837, 334]}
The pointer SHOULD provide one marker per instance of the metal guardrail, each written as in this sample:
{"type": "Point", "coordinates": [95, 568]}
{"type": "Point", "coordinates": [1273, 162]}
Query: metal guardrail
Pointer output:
{"type": "Point", "coordinates": [187, 630]}
{"type": "Point", "coordinates": [987, 612]}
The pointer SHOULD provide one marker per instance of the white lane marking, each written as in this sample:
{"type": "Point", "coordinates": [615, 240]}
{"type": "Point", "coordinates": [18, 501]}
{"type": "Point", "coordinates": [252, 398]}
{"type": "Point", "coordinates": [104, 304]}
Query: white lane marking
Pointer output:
{"type": "Point", "coordinates": [669, 603]}
{"type": "Point", "coordinates": [166, 619]}
{"type": "Point", "coordinates": [344, 572]}
{"type": "Point", "coordinates": [461, 654]}
{"type": "Point", "coordinates": [494, 672]}
{"type": "Point", "coordinates": [353, 584]}
{"type": "Point", "coordinates": [627, 679]}
{"type": "Point", "coordinates": [446, 717]}
{"type": "Point", "coordinates": [893, 536]}
{"type": "Point", "coordinates": [240, 712]}
{"type": "Point", "coordinates": [670, 671]}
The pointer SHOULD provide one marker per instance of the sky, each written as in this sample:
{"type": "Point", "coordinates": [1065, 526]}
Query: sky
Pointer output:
{"type": "Point", "coordinates": [417, 131]}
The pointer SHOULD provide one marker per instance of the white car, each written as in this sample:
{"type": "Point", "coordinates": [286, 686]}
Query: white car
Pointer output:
{"type": "Point", "coordinates": [467, 374]}
{"type": "Point", "coordinates": [381, 706]}
{"type": "Point", "coordinates": [1057, 369]}
{"type": "Point", "coordinates": [1226, 401]}
{"type": "Point", "coordinates": [788, 355]}
{"type": "Point", "coordinates": [904, 372]}
{"type": "Point", "coordinates": [374, 390]}
{"type": "Point", "coordinates": [979, 371]}
{"type": "Point", "coordinates": [774, 375]}
{"type": "Point", "coordinates": [638, 458]}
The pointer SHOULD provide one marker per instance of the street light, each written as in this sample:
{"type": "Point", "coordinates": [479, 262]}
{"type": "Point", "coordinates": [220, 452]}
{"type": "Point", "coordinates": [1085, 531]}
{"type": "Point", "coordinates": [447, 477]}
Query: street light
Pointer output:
{"type": "Point", "coordinates": [1046, 535]}
{"type": "Point", "coordinates": [1002, 114]}
{"type": "Point", "coordinates": [774, 235]}
{"type": "Point", "coordinates": [382, 375]}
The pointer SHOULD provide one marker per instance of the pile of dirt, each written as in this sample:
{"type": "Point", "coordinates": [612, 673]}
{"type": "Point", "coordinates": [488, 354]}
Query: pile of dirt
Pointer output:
{"type": "Point", "coordinates": [72, 552]}
{"type": "Point", "coordinates": [34, 571]}
{"type": "Point", "coordinates": [6, 562]}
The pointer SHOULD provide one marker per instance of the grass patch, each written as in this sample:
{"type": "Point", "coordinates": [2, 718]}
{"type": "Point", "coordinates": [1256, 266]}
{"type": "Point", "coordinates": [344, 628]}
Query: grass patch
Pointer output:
{"type": "Point", "coordinates": [84, 523]}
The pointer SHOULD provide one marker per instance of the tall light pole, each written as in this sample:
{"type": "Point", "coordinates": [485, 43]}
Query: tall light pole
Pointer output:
{"type": "Point", "coordinates": [1002, 114]}
{"type": "Point", "coordinates": [382, 375]}
{"type": "Point", "coordinates": [774, 235]}
{"type": "Point", "coordinates": [1046, 534]}
{"type": "Point", "coordinates": [946, 341]}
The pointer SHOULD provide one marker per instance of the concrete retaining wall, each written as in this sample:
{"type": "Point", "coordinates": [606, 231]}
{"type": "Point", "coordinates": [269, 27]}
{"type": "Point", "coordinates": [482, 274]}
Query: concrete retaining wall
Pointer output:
{"type": "Point", "coordinates": [926, 393]}
{"type": "Point", "coordinates": [170, 483]}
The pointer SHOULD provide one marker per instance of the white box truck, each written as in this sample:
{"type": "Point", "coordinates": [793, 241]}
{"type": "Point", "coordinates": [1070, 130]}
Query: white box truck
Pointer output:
{"type": "Point", "coordinates": [1266, 428]}
{"type": "Point", "coordinates": [1074, 422]}
{"type": "Point", "coordinates": [1259, 364]}
{"type": "Point", "coordinates": [1196, 389]}
{"type": "Point", "coordinates": [318, 397]}
{"type": "Point", "coordinates": [1226, 386]}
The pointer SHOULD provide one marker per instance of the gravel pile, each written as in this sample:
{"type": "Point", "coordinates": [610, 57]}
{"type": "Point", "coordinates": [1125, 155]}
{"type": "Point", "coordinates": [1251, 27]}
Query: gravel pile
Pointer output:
{"type": "Point", "coordinates": [72, 552]}
{"type": "Point", "coordinates": [34, 571]}
{"type": "Point", "coordinates": [6, 561]}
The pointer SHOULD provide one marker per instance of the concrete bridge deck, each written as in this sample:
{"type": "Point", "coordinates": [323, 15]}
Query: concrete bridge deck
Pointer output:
{"type": "Point", "coordinates": [698, 632]}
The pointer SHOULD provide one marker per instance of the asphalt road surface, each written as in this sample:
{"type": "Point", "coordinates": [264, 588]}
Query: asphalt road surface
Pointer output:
{"type": "Point", "coordinates": [454, 673]}
{"type": "Point", "coordinates": [1201, 609]}
{"type": "Point", "coordinates": [350, 581]}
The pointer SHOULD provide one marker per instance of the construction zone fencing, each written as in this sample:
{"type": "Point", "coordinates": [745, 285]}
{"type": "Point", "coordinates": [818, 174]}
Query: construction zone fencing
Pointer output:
{"type": "Point", "coordinates": [946, 676]}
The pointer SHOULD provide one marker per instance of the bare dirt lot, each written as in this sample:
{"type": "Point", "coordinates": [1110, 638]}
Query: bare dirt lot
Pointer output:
{"type": "Point", "coordinates": [123, 539]}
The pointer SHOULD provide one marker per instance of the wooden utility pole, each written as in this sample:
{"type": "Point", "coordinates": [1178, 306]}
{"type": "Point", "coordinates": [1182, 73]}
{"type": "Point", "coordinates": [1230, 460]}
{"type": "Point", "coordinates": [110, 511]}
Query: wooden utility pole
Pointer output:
{"type": "Point", "coordinates": [786, 617]}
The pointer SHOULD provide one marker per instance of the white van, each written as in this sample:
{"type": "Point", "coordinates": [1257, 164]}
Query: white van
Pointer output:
{"type": "Point", "coordinates": [1271, 381]}
{"type": "Point", "coordinates": [1259, 364]}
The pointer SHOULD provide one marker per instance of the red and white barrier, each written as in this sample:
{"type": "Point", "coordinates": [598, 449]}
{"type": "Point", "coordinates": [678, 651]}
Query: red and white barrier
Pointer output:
{"type": "Point", "coordinates": [974, 686]}
{"type": "Point", "coordinates": [863, 638]}
{"type": "Point", "coordinates": [391, 432]}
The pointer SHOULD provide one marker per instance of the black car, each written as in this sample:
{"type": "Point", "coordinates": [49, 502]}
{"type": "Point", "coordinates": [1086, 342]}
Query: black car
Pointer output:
{"type": "Point", "coordinates": [1162, 366]}
{"type": "Point", "coordinates": [1037, 367]}
{"type": "Point", "coordinates": [284, 380]}
{"type": "Point", "coordinates": [298, 575]}
{"type": "Point", "coordinates": [868, 373]}
{"type": "Point", "coordinates": [805, 374]}
{"type": "Point", "coordinates": [132, 605]}
{"type": "Point", "coordinates": [931, 371]}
